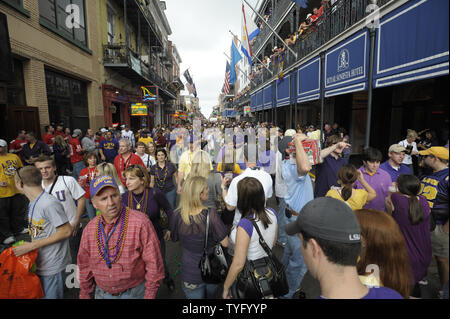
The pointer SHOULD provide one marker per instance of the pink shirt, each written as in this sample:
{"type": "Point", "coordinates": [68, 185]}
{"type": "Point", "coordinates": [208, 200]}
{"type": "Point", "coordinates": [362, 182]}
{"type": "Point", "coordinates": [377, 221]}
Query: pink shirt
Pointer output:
{"type": "Point", "coordinates": [140, 259]}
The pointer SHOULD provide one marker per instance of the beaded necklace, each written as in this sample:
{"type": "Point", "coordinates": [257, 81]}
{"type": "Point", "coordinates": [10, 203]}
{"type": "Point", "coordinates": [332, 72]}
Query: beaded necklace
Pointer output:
{"type": "Point", "coordinates": [144, 201]}
{"type": "Point", "coordinates": [161, 182]}
{"type": "Point", "coordinates": [102, 241]}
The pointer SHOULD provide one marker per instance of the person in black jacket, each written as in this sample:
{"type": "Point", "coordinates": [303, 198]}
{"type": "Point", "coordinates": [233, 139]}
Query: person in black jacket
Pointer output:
{"type": "Point", "coordinates": [33, 149]}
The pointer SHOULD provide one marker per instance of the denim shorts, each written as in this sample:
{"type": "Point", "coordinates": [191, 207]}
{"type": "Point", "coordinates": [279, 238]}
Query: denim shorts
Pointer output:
{"type": "Point", "coordinates": [53, 285]}
{"type": "Point", "coordinates": [199, 291]}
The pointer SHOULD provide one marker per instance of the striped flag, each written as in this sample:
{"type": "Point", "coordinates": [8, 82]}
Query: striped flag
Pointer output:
{"type": "Point", "coordinates": [226, 86]}
{"type": "Point", "coordinates": [190, 83]}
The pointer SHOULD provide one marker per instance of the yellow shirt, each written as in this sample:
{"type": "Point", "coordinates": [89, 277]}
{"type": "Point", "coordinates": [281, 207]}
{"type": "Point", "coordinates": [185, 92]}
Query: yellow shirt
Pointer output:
{"type": "Point", "coordinates": [146, 140]}
{"type": "Point", "coordinates": [8, 166]}
{"type": "Point", "coordinates": [357, 201]}
{"type": "Point", "coordinates": [237, 168]}
{"type": "Point", "coordinates": [185, 164]}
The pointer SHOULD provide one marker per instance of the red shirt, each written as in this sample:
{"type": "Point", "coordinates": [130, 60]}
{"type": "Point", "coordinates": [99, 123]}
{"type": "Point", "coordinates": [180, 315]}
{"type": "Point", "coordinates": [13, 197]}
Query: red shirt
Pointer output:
{"type": "Point", "coordinates": [76, 151]}
{"type": "Point", "coordinates": [121, 165]}
{"type": "Point", "coordinates": [140, 260]}
{"type": "Point", "coordinates": [86, 176]}
{"type": "Point", "coordinates": [49, 139]}
{"type": "Point", "coordinates": [16, 146]}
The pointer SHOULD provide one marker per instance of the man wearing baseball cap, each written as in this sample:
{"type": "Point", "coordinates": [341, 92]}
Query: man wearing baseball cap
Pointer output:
{"type": "Point", "coordinates": [76, 156]}
{"type": "Point", "coordinates": [331, 243]}
{"type": "Point", "coordinates": [394, 165]}
{"type": "Point", "coordinates": [435, 190]}
{"type": "Point", "coordinates": [119, 255]}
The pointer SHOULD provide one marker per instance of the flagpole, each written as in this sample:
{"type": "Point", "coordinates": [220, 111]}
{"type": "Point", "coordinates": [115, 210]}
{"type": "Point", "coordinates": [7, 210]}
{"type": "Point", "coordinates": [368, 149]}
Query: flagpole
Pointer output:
{"type": "Point", "coordinates": [284, 43]}
{"type": "Point", "coordinates": [254, 55]}
{"type": "Point", "coordinates": [240, 69]}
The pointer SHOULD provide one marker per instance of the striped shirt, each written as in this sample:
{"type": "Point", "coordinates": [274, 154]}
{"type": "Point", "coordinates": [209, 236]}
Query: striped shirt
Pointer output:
{"type": "Point", "coordinates": [140, 260]}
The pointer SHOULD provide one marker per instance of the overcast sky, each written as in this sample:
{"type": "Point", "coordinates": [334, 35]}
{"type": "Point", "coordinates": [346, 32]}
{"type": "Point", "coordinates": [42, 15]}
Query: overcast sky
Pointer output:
{"type": "Point", "coordinates": [200, 33]}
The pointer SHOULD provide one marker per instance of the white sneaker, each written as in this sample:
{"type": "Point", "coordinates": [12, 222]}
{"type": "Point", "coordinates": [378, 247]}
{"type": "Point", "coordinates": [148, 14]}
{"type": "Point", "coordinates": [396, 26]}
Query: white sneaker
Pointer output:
{"type": "Point", "coordinates": [9, 240]}
{"type": "Point", "coordinates": [423, 282]}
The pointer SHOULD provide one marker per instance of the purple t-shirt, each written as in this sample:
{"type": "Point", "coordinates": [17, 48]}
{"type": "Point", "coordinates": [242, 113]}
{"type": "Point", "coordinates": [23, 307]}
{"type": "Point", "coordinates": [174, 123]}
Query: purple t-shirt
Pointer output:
{"type": "Point", "coordinates": [380, 182]}
{"type": "Point", "coordinates": [417, 237]}
{"type": "Point", "coordinates": [152, 208]}
{"type": "Point", "coordinates": [192, 238]}
{"type": "Point", "coordinates": [403, 169]}
{"type": "Point", "coordinates": [163, 178]}
{"type": "Point", "coordinates": [326, 175]}
{"type": "Point", "coordinates": [380, 293]}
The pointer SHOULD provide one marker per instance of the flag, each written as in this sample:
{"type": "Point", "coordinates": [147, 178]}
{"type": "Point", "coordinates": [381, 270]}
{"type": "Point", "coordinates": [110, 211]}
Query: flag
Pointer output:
{"type": "Point", "coordinates": [301, 3]}
{"type": "Point", "coordinates": [190, 83]}
{"type": "Point", "coordinates": [226, 86]}
{"type": "Point", "coordinates": [235, 58]}
{"type": "Point", "coordinates": [245, 47]}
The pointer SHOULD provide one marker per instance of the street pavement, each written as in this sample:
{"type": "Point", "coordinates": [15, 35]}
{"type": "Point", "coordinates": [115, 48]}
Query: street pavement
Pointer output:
{"type": "Point", "coordinates": [309, 288]}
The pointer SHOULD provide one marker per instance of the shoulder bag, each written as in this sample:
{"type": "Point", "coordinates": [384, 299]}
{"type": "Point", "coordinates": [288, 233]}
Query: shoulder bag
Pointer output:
{"type": "Point", "coordinates": [262, 278]}
{"type": "Point", "coordinates": [213, 267]}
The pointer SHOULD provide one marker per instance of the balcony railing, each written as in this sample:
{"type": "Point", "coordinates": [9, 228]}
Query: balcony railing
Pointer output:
{"type": "Point", "coordinates": [343, 15]}
{"type": "Point", "coordinates": [119, 55]}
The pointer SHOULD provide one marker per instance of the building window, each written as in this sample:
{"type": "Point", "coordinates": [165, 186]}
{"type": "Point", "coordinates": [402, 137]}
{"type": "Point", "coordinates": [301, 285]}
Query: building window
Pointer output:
{"type": "Point", "coordinates": [16, 91]}
{"type": "Point", "coordinates": [55, 13]}
{"type": "Point", "coordinates": [67, 101]}
{"type": "Point", "coordinates": [18, 5]}
{"type": "Point", "coordinates": [111, 26]}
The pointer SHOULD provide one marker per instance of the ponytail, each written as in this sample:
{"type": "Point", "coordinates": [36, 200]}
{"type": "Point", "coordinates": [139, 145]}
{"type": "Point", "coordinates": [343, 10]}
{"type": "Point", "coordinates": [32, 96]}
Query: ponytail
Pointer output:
{"type": "Point", "coordinates": [410, 185]}
{"type": "Point", "coordinates": [347, 175]}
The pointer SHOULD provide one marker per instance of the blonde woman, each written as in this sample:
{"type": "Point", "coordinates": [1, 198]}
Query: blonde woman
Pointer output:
{"type": "Point", "coordinates": [411, 148]}
{"type": "Point", "coordinates": [202, 166]}
{"type": "Point", "coordinates": [150, 201]}
{"type": "Point", "coordinates": [188, 226]}
{"type": "Point", "coordinates": [108, 169]}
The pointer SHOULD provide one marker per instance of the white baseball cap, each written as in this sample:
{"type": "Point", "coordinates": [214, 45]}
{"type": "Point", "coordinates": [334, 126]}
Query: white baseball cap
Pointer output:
{"type": "Point", "coordinates": [3, 143]}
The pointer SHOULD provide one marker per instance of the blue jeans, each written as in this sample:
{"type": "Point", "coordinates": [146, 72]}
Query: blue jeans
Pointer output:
{"type": "Point", "coordinates": [137, 292]}
{"type": "Point", "coordinates": [282, 236]}
{"type": "Point", "coordinates": [172, 197]}
{"type": "Point", "coordinates": [199, 291]}
{"type": "Point", "coordinates": [293, 261]}
{"type": "Point", "coordinates": [92, 212]}
{"type": "Point", "coordinates": [53, 286]}
{"type": "Point", "coordinates": [77, 167]}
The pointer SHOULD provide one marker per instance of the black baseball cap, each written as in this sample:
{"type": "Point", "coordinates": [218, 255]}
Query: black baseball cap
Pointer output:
{"type": "Point", "coordinates": [327, 218]}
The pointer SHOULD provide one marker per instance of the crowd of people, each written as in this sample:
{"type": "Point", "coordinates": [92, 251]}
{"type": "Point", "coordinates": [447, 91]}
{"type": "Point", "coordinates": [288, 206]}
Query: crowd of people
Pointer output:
{"type": "Point", "coordinates": [141, 189]}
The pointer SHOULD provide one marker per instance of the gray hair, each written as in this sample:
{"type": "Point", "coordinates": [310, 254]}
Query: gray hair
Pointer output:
{"type": "Point", "coordinates": [126, 141]}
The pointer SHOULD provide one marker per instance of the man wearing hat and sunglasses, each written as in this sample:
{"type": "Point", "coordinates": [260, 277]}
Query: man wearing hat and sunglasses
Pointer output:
{"type": "Point", "coordinates": [331, 243]}
{"type": "Point", "coordinates": [119, 256]}
{"type": "Point", "coordinates": [434, 188]}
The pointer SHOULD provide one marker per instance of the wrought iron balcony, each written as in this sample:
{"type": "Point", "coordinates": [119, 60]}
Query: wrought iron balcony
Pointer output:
{"type": "Point", "coordinates": [130, 65]}
{"type": "Point", "coordinates": [335, 20]}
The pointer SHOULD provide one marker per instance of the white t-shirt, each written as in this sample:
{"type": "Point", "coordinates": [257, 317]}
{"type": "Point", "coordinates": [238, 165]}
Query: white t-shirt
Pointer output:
{"type": "Point", "coordinates": [148, 160]}
{"type": "Point", "coordinates": [408, 158]}
{"type": "Point", "coordinates": [130, 136]}
{"type": "Point", "coordinates": [255, 250]}
{"type": "Point", "coordinates": [66, 190]}
{"type": "Point", "coordinates": [232, 195]}
{"type": "Point", "coordinates": [280, 184]}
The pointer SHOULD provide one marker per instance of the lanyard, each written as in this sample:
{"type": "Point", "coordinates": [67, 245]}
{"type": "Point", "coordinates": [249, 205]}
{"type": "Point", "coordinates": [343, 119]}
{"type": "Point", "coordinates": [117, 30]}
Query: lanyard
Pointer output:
{"type": "Point", "coordinates": [108, 262]}
{"type": "Point", "coordinates": [30, 220]}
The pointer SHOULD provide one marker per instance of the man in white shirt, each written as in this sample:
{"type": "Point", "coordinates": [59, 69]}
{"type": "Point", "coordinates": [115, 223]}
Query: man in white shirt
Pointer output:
{"type": "Point", "coordinates": [128, 134]}
{"type": "Point", "coordinates": [67, 190]}
{"type": "Point", "coordinates": [230, 195]}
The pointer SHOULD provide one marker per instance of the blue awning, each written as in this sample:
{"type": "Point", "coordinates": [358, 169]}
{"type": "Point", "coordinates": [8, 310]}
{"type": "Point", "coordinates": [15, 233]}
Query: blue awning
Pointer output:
{"type": "Point", "coordinates": [253, 103]}
{"type": "Point", "coordinates": [308, 81]}
{"type": "Point", "coordinates": [346, 65]}
{"type": "Point", "coordinates": [268, 97]}
{"type": "Point", "coordinates": [412, 43]}
{"type": "Point", "coordinates": [283, 90]}
{"type": "Point", "coordinates": [259, 101]}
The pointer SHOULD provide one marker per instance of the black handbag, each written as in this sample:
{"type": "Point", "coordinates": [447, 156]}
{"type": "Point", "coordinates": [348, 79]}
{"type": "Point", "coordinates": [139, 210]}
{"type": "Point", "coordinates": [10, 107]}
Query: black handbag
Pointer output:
{"type": "Point", "coordinates": [262, 278]}
{"type": "Point", "coordinates": [214, 266]}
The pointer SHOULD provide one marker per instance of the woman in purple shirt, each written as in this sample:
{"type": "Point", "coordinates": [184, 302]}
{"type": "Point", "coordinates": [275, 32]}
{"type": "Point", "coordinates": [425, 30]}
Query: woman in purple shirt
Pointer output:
{"type": "Point", "coordinates": [150, 201]}
{"type": "Point", "coordinates": [412, 213]}
{"type": "Point", "coordinates": [188, 226]}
